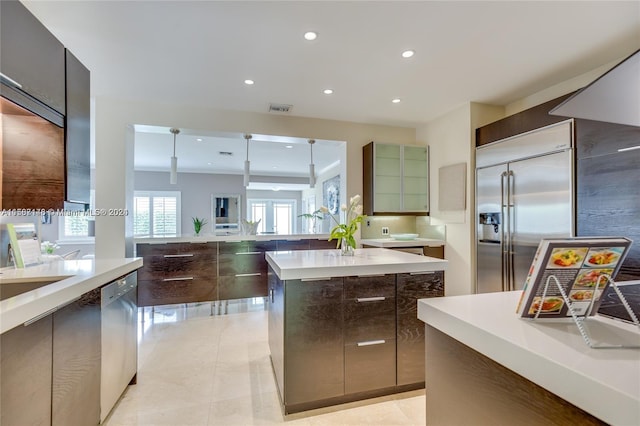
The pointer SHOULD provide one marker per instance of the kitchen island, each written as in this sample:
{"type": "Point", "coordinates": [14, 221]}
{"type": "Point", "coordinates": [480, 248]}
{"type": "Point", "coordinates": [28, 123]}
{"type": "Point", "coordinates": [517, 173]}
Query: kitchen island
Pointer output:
{"type": "Point", "coordinates": [212, 268]}
{"type": "Point", "coordinates": [505, 370]}
{"type": "Point", "coordinates": [345, 328]}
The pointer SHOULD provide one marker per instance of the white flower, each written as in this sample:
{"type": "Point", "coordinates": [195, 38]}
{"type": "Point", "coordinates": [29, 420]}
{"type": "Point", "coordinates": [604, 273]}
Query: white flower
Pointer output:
{"type": "Point", "coordinates": [354, 199]}
{"type": "Point", "coordinates": [324, 210]}
{"type": "Point", "coordinates": [343, 207]}
{"type": "Point", "coordinates": [358, 209]}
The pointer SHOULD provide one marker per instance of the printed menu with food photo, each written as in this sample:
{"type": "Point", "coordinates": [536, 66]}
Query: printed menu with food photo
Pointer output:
{"type": "Point", "coordinates": [581, 267]}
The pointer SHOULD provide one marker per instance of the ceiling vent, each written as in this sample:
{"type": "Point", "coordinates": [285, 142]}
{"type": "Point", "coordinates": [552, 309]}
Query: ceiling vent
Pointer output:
{"type": "Point", "coordinates": [280, 108]}
{"type": "Point", "coordinates": [225, 153]}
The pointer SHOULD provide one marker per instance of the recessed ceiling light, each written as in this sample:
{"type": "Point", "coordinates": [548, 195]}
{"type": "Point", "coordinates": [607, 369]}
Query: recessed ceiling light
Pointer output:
{"type": "Point", "coordinates": [288, 146]}
{"type": "Point", "coordinates": [310, 35]}
{"type": "Point", "coordinates": [408, 53]}
{"type": "Point", "coordinates": [327, 91]}
{"type": "Point", "coordinates": [198, 139]}
{"type": "Point", "coordinates": [274, 167]}
{"type": "Point", "coordinates": [395, 101]}
{"type": "Point", "coordinates": [209, 163]}
{"type": "Point", "coordinates": [248, 82]}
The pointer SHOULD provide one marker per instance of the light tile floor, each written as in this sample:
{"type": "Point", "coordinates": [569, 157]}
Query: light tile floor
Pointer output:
{"type": "Point", "coordinates": [197, 369]}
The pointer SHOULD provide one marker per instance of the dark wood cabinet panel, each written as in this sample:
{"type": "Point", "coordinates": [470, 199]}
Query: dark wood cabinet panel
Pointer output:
{"type": "Point", "coordinates": [143, 249]}
{"type": "Point", "coordinates": [525, 121]}
{"type": "Point", "coordinates": [153, 293]}
{"type": "Point", "coordinates": [77, 131]}
{"type": "Point", "coordinates": [596, 138]}
{"type": "Point", "coordinates": [76, 362]}
{"type": "Point", "coordinates": [239, 287]}
{"type": "Point", "coordinates": [284, 245]}
{"type": "Point", "coordinates": [410, 330]}
{"type": "Point", "coordinates": [314, 348]}
{"type": "Point", "coordinates": [32, 162]}
{"type": "Point", "coordinates": [201, 265]}
{"type": "Point", "coordinates": [241, 263]}
{"type": "Point", "coordinates": [609, 204]}
{"type": "Point", "coordinates": [31, 55]}
{"type": "Point", "coordinates": [322, 244]}
{"type": "Point", "coordinates": [370, 286]}
{"type": "Point", "coordinates": [276, 328]}
{"type": "Point", "coordinates": [25, 369]}
{"type": "Point", "coordinates": [233, 247]}
{"type": "Point", "coordinates": [371, 366]}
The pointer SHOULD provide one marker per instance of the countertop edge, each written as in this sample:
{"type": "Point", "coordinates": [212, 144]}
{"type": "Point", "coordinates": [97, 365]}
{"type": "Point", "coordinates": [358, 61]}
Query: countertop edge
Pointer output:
{"type": "Point", "coordinates": [605, 402]}
{"type": "Point", "coordinates": [16, 310]}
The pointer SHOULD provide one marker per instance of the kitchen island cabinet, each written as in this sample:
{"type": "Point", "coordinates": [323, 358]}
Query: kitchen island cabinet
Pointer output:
{"type": "Point", "coordinates": [334, 323]}
{"type": "Point", "coordinates": [211, 268]}
{"type": "Point", "coordinates": [505, 370]}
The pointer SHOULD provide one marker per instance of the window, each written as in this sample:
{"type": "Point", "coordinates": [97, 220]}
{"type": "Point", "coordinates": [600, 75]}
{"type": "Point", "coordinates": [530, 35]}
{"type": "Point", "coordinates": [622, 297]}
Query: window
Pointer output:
{"type": "Point", "coordinates": [276, 216]}
{"type": "Point", "coordinates": [74, 225]}
{"type": "Point", "coordinates": [156, 213]}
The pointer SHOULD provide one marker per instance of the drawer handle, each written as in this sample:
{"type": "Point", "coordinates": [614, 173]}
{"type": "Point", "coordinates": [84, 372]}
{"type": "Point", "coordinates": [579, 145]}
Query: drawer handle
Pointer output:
{"type": "Point", "coordinates": [371, 342]}
{"type": "Point", "coordinates": [422, 273]}
{"type": "Point", "coordinates": [178, 255]}
{"type": "Point", "coordinates": [371, 275]}
{"type": "Point", "coordinates": [255, 274]}
{"type": "Point", "coordinates": [249, 252]}
{"type": "Point", "coordinates": [370, 299]}
{"type": "Point", "coordinates": [39, 317]}
{"type": "Point", "coordinates": [11, 81]}
{"type": "Point", "coordinates": [315, 279]}
{"type": "Point", "coordinates": [272, 294]}
{"type": "Point", "coordinates": [178, 279]}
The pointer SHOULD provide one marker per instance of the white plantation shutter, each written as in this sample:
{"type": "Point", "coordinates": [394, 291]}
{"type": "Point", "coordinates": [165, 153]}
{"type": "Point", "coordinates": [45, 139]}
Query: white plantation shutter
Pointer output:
{"type": "Point", "coordinates": [156, 214]}
{"type": "Point", "coordinates": [76, 224]}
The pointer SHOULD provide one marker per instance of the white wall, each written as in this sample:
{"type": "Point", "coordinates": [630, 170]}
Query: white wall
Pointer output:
{"type": "Point", "coordinates": [114, 150]}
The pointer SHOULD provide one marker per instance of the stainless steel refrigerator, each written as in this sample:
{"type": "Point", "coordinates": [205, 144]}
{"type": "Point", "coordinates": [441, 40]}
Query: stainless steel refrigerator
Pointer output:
{"type": "Point", "coordinates": [524, 192]}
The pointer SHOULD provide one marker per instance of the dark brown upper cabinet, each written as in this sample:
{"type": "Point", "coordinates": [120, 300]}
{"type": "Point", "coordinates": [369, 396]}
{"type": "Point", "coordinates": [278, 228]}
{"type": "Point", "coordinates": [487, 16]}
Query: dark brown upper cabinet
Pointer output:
{"type": "Point", "coordinates": [31, 56]}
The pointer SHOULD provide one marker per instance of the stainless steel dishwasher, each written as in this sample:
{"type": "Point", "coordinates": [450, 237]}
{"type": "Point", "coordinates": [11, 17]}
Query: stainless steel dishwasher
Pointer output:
{"type": "Point", "coordinates": [119, 340]}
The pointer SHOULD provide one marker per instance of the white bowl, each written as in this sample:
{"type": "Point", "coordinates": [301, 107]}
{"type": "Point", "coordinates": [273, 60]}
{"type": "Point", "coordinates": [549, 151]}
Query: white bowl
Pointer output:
{"type": "Point", "coordinates": [404, 237]}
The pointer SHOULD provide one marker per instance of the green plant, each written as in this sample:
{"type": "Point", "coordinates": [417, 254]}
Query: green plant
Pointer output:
{"type": "Point", "coordinates": [198, 224]}
{"type": "Point", "coordinates": [353, 217]}
{"type": "Point", "coordinates": [313, 215]}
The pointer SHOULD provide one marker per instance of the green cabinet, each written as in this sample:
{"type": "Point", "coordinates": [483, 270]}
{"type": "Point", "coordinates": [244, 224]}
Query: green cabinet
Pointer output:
{"type": "Point", "coordinates": [395, 179]}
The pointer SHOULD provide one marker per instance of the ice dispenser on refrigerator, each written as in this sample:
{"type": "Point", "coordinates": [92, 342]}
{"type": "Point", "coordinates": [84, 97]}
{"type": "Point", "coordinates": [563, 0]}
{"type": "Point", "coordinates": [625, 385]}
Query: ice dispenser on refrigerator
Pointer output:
{"type": "Point", "coordinates": [490, 227]}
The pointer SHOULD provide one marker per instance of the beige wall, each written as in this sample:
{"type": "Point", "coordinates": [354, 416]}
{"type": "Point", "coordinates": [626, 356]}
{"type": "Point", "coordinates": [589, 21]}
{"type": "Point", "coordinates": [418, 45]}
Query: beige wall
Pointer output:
{"type": "Point", "coordinates": [114, 150]}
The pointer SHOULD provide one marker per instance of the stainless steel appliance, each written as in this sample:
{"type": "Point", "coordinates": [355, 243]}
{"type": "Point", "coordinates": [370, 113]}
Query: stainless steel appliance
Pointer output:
{"type": "Point", "coordinates": [119, 340]}
{"type": "Point", "coordinates": [524, 192]}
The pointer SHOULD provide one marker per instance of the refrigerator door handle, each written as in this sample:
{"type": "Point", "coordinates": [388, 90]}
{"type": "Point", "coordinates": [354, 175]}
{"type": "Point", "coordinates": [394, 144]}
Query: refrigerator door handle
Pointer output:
{"type": "Point", "coordinates": [504, 246]}
{"type": "Point", "coordinates": [512, 228]}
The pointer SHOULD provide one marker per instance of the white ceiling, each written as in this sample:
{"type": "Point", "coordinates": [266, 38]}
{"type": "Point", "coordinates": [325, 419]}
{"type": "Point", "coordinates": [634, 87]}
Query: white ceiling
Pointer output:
{"type": "Point", "coordinates": [200, 52]}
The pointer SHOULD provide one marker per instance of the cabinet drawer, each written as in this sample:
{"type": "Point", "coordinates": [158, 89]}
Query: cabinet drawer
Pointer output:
{"type": "Point", "coordinates": [284, 245]}
{"type": "Point", "coordinates": [370, 365]}
{"type": "Point", "coordinates": [176, 290]}
{"type": "Point", "coordinates": [322, 244]}
{"type": "Point", "coordinates": [369, 320]}
{"type": "Point", "coordinates": [197, 265]}
{"type": "Point", "coordinates": [370, 286]}
{"type": "Point", "coordinates": [233, 247]}
{"type": "Point", "coordinates": [238, 287]}
{"type": "Point", "coordinates": [169, 249]}
{"type": "Point", "coordinates": [242, 263]}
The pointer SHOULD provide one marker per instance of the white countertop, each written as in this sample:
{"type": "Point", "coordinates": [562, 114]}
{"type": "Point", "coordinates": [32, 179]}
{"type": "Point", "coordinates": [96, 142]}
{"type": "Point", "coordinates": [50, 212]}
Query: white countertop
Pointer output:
{"type": "Point", "coordinates": [602, 382]}
{"type": "Point", "coordinates": [205, 238]}
{"type": "Point", "coordinates": [73, 278]}
{"type": "Point", "coordinates": [306, 264]}
{"type": "Point", "coordinates": [392, 242]}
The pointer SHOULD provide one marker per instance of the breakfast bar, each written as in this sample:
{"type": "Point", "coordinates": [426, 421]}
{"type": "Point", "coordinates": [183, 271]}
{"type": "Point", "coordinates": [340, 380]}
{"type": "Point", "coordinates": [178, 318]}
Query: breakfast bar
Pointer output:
{"type": "Point", "coordinates": [345, 328]}
{"type": "Point", "coordinates": [506, 370]}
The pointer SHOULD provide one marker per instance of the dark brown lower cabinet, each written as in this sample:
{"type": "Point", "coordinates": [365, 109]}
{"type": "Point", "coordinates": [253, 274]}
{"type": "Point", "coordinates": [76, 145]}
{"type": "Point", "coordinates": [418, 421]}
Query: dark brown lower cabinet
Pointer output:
{"type": "Point", "coordinates": [314, 345]}
{"type": "Point", "coordinates": [410, 338]}
{"type": "Point", "coordinates": [168, 291]}
{"type": "Point", "coordinates": [342, 339]}
{"type": "Point", "coordinates": [76, 362]}
{"type": "Point", "coordinates": [25, 374]}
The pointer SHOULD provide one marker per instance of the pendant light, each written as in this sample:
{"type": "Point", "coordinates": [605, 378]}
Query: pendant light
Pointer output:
{"type": "Point", "coordinates": [312, 167]}
{"type": "Point", "coordinates": [173, 175]}
{"type": "Point", "coordinates": [247, 136]}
